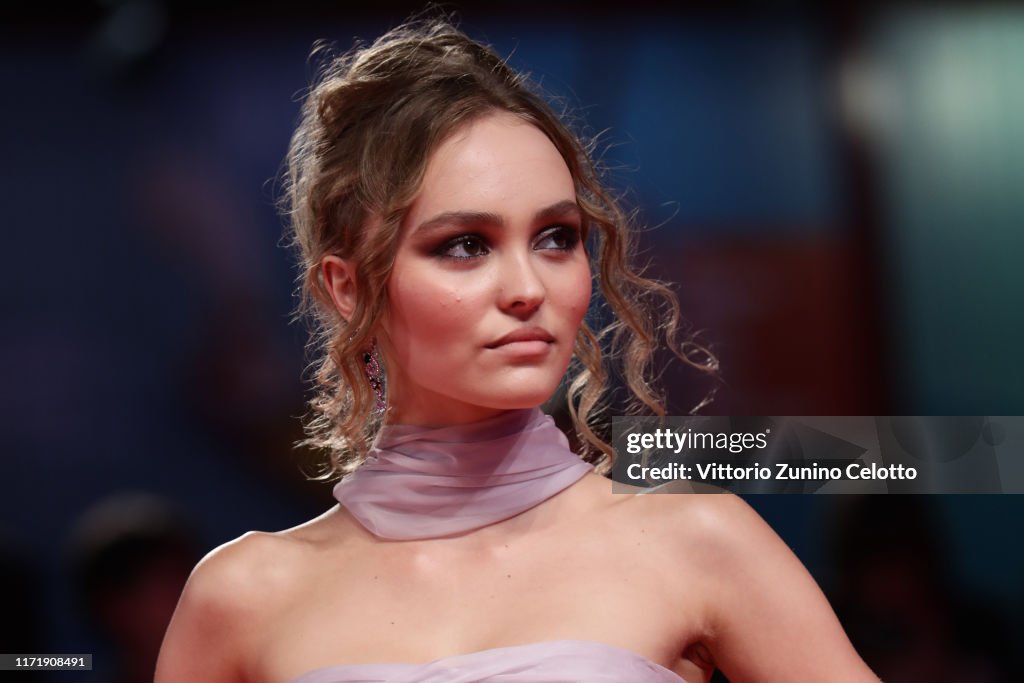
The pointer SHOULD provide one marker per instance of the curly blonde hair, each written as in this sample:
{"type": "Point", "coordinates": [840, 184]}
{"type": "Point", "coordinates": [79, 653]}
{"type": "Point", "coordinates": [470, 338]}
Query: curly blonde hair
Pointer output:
{"type": "Point", "coordinates": [369, 125]}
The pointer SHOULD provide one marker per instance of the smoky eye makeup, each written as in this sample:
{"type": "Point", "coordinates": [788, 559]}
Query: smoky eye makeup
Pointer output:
{"type": "Point", "coordinates": [558, 238]}
{"type": "Point", "coordinates": [462, 247]}
{"type": "Point", "coordinates": [466, 246]}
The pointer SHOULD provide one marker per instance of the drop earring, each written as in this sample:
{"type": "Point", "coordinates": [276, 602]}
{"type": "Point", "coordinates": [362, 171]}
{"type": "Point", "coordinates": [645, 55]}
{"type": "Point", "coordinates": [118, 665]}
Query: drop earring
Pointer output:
{"type": "Point", "coordinates": [375, 374]}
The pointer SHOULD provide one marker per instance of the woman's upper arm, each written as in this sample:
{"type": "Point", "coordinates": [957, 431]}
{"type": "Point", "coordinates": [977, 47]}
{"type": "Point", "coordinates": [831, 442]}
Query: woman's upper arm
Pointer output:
{"type": "Point", "coordinates": [206, 635]}
{"type": "Point", "coordinates": [769, 621]}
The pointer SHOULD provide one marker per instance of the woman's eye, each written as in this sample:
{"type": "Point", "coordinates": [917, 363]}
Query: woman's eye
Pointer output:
{"type": "Point", "coordinates": [562, 238]}
{"type": "Point", "coordinates": [463, 246]}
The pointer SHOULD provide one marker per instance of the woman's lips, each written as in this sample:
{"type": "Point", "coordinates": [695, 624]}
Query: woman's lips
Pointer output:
{"type": "Point", "coordinates": [532, 335]}
{"type": "Point", "coordinates": [534, 347]}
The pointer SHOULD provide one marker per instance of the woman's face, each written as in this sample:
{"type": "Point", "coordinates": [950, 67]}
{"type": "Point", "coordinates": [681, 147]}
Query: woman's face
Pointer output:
{"type": "Point", "coordinates": [490, 281]}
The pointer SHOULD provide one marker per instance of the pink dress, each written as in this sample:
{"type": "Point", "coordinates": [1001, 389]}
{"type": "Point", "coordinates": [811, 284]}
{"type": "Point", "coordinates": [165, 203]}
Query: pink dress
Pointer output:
{"type": "Point", "coordinates": [554, 661]}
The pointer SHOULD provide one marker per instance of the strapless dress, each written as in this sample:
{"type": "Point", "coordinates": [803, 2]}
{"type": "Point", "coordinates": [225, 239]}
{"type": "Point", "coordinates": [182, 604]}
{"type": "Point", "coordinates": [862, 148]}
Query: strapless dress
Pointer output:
{"type": "Point", "coordinates": [553, 661]}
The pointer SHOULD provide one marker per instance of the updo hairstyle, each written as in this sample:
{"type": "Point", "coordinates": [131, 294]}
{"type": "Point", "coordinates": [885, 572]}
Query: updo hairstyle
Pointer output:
{"type": "Point", "coordinates": [369, 125]}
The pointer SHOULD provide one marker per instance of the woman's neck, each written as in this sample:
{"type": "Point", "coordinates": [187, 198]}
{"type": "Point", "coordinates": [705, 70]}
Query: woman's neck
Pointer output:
{"type": "Point", "coordinates": [421, 482]}
{"type": "Point", "coordinates": [441, 414]}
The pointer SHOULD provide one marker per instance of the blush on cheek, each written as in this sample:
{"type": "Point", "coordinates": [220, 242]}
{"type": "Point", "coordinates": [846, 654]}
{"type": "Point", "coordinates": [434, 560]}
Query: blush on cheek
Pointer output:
{"type": "Point", "coordinates": [584, 285]}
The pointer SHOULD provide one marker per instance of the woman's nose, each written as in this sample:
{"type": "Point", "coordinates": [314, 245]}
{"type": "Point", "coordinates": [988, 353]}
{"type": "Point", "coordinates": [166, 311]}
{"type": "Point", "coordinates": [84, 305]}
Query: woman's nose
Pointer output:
{"type": "Point", "coordinates": [521, 290]}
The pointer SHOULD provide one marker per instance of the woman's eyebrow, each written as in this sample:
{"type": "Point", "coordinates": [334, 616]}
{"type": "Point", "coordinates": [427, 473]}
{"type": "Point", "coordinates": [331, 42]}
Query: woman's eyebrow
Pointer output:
{"type": "Point", "coordinates": [458, 218]}
{"type": "Point", "coordinates": [567, 208]}
{"type": "Point", "coordinates": [562, 209]}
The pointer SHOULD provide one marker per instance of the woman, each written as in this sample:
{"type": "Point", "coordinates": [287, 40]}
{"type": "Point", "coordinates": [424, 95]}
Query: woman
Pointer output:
{"type": "Point", "coordinates": [447, 221]}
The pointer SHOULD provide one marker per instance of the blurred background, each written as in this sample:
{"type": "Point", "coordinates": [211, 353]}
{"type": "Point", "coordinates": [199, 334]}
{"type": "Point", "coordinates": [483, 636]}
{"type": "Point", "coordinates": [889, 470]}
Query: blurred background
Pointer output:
{"type": "Point", "coordinates": [836, 191]}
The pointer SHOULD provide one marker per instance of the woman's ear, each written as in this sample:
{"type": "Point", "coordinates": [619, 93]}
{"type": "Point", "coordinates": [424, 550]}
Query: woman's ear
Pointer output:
{"type": "Point", "coordinates": [340, 280]}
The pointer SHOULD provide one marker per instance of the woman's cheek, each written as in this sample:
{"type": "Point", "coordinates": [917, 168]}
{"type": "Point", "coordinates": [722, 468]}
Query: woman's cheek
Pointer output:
{"type": "Point", "coordinates": [584, 284]}
{"type": "Point", "coordinates": [446, 316]}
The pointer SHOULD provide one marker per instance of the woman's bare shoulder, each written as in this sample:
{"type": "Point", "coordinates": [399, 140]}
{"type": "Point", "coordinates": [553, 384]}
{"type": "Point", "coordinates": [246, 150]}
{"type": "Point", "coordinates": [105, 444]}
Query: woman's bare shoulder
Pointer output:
{"type": "Point", "coordinates": [243, 565]}
{"type": "Point", "coordinates": [242, 579]}
{"type": "Point", "coordinates": [685, 514]}
{"type": "Point", "coordinates": [230, 597]}
{"type": "Point", "coordinates": [711, 537]}
{"type": "Point", "coordinates": [761, 598]}
{"type": "Point", "coordinates": [261, 561]}
{"type": "Point", "coordinates": [216, 621]}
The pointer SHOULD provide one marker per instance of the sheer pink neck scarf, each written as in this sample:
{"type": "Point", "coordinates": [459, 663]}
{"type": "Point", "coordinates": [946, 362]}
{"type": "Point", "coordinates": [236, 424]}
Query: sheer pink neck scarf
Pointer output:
{"type": "Point", "coordinates": [426, 483]}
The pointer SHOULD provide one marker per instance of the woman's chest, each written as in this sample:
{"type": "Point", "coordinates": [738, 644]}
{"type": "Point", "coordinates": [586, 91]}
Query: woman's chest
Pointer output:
{"type": "Point", "coordinates": [421, 606]}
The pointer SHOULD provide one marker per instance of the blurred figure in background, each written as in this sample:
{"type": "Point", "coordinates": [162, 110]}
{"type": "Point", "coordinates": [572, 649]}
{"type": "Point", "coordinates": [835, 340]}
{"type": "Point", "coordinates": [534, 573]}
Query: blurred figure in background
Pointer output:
{"type": "Point", "coordinates": [20, 627]}
{"type": "Point", "coordinates": [895, 594]}
{"type": "Point", "coordinates": [130, 557]}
